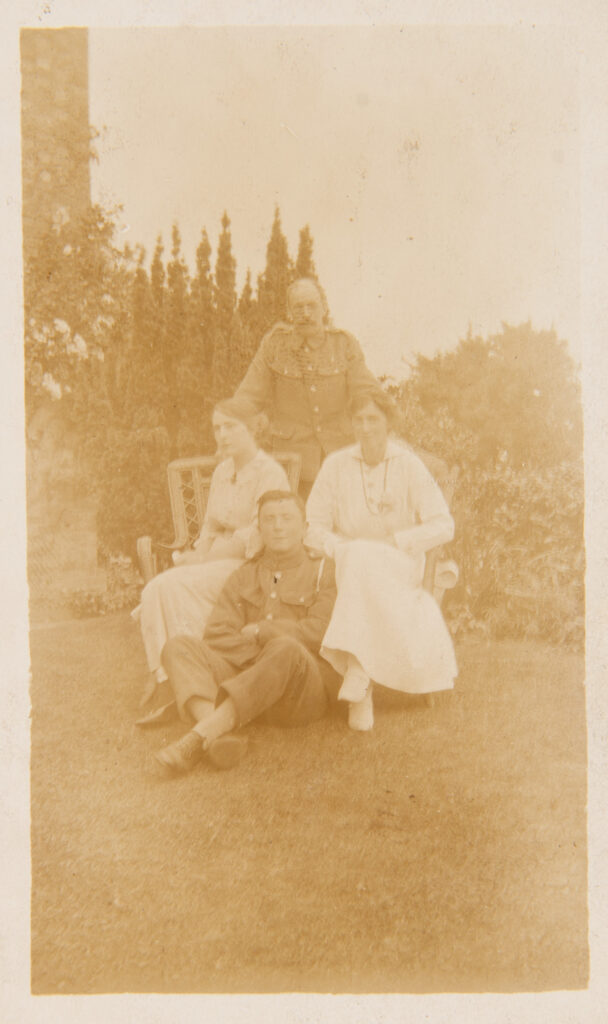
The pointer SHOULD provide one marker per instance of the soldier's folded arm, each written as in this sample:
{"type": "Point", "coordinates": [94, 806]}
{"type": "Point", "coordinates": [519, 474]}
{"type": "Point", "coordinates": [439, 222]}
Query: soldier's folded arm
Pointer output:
{"type": "Point", "coordinates": [223, 630]}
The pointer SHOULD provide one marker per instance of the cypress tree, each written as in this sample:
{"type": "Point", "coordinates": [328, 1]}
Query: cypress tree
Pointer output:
{"type": "Point", "coordinates": [246, 307]}
{"type": "Point", "coordinates": [175, 353]}
{"type": "Point", "coordinates": [201, 306]}
{"type": "Point", "coordinates": [157, 298]}
{"type": "Point", "coordinates": [225, 303]}
{"type": "Point", "coordinates": [195, 368]}
{"type": "Point", "coordinates": [144, 387]}
{"type": "Point", "coordinates": [158, 320]}
{"type": "Point", "coordinates": [225, 279]}
{"type": "Point", "coordinates": [273, 283]}
{"type": "Point", "coordinates": [305, 266]}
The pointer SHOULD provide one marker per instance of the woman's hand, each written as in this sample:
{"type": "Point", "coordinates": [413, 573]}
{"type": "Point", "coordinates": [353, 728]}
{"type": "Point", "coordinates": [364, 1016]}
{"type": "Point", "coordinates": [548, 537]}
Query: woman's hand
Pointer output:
{"type": "Point", "coordinates": [409, 542]}
{"type": "Point", "coordinates": [193, 557]}
{"type": "Point", "coordinates": [186, 557]}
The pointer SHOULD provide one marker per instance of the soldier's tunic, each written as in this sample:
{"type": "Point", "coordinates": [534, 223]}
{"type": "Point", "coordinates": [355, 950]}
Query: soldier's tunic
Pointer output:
{"type": "Point", "coordinates": [290, 598]}
{"type": "Point", "coordinates": [304, 387]}
{"type": "Point", "coordinates": [179, 601]}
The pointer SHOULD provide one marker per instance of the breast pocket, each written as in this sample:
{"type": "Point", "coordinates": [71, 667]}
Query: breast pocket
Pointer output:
{"type": "Point", "coordinates": [332, 393]}
{"type": "Point", "coordinates": [288, 394]}
{"type": "Point", "coordinates": [252, 601]}
{"type": "Point", "coordinates": [298, 602]}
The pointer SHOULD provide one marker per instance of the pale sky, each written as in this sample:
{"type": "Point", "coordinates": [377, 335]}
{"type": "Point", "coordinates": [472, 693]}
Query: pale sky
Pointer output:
{"type": "Point", "coordinates": [437, 167]}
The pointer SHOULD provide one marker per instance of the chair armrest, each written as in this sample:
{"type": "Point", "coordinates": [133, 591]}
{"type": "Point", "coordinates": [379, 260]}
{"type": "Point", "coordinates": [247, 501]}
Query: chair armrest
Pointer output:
{"type": "Point", "coordinates": [439, 575]}
{"type": "Point", "coordinates": [175, 545]}
{"type": "Point", "coordinates": [146, 558]}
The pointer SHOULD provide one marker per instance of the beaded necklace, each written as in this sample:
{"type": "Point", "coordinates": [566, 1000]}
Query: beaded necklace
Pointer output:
{"type": "Point", "coordinates": [368, 501]}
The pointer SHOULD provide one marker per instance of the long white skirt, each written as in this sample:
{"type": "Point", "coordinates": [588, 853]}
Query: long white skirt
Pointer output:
{"type": "Point", "coordinates": [386, 620]}
{"type": "Point", "coordinates": [178, 602]}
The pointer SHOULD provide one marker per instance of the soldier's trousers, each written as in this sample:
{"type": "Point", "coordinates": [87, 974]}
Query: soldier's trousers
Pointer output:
{"type": "Point", "coordinates": [285, 682]}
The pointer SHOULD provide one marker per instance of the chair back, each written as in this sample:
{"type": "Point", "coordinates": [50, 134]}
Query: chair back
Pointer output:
{"type": "Point", "coordinates": [440, 471]}
{"type": "Point", "coordinates": [446, 479]}
{"type": "Point", "coordinates": [189, 480]}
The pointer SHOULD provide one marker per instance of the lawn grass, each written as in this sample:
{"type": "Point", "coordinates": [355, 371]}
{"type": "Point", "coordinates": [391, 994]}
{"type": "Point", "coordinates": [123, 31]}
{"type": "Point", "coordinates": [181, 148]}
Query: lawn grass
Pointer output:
{"type": "Point", "coordinates": [445, 851]}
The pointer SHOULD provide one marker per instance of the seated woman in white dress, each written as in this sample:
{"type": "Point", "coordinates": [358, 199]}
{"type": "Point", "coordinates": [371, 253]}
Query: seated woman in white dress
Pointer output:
{"type": "Point", "coordinates": [179, 601]}
{"type": "Point", "coordinates": [376, 510]}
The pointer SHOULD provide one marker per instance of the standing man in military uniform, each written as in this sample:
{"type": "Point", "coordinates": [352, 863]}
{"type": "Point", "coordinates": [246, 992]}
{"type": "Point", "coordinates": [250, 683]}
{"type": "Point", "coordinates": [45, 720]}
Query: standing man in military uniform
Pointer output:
{"type": "Point", "coordinates": [303, 376]}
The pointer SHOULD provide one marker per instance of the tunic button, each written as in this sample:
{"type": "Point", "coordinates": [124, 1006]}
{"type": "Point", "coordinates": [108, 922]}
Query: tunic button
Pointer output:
{"type": "Point", "coordinates": [273, 593]}
{"type": "Point", "coordinates": [301, 600]}
{"type": "Point", "coordinates": [310, 367]}
{"type": "Point", "coordinates": [315, 408]}
{"type": "Point", "coordinates": [317, 428]}
{"type": "Point", "coordinates": [312, 387]}
{"type": "Point", "coordinates": [269, 616]}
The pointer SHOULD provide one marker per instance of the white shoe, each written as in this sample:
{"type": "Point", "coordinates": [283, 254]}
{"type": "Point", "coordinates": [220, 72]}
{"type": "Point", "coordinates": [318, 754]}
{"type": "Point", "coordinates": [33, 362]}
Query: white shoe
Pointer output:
{"type": "Point", "coordinates": [354, 686]}
{"type": "Point", "coordinates": [361, 713]}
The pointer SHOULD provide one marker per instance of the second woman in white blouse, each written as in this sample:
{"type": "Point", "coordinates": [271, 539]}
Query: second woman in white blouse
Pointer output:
{"type": "Point", "coordinates": [376, 510]}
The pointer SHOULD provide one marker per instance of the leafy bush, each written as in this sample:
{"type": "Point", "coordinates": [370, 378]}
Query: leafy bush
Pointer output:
{"type": "Point", "coordinates": [123, 588]}
{"type": "Point", "coordinates": [134, 499]}
{"type": "Point", "coordinates": [520, 547]}
{"type": "Point", "coordinates": [507, 412]}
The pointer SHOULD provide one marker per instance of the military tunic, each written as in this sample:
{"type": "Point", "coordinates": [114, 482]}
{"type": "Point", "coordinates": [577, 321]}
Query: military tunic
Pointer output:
{"type": "Point", "coordinates": [305, 389]}
{"type": "Point", "coordinates": [290, 600]}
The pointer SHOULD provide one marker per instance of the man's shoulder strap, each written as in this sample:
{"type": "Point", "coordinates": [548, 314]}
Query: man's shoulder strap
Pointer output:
{"type": "Point", "coordinates": [351, 342]}
{"type": "Point", "coordinates": [278, 329]}
{"type": "Point", "coordinates": [274, 340]}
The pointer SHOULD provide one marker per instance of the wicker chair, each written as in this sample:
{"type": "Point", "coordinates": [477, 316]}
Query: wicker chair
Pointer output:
{"type": "Point", "coordinates": [439, 575]}
{"type": "Point", "coordinates": [189, 480]}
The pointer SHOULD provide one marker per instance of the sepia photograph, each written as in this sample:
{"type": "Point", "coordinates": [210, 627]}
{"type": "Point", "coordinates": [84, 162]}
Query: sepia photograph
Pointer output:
{"type": "Point", "coordinates": [303, 347]}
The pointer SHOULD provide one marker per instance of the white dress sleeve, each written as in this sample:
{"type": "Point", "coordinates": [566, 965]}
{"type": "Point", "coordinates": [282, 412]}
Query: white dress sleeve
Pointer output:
{"type": "Point", "coordinates": [435, 524]}
{"type": "Point", "coordinates": [322, 534]}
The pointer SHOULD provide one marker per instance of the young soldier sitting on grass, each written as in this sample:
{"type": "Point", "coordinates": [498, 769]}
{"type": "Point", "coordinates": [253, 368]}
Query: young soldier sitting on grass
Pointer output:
{"type": "Point", "coordinates": [260, 651]}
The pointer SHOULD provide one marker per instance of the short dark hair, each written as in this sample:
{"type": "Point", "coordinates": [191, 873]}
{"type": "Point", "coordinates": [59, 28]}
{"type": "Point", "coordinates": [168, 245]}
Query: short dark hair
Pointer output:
{"type": "Point", "coordinates": [282, 496]}
{"type": "Point", "coordinates": [382, 401]}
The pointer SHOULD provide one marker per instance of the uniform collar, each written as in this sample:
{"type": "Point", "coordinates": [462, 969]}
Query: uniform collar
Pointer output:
{"type": "Point", "coordinates": [275, 560]}
{"type": "Point", "coordinates": [299, 341]}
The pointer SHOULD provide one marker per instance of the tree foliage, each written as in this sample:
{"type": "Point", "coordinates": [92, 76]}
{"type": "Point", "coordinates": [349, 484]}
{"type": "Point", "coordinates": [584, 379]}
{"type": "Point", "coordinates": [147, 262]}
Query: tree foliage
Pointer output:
{"type": "Point", "coordinates": [134, 358]}
{"type": "Point", "coordinates": [305, 266]}
{"type": "Point", "coordinates": [276, 278]}
{"type": "Point", "coordinates": [507, 412]}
